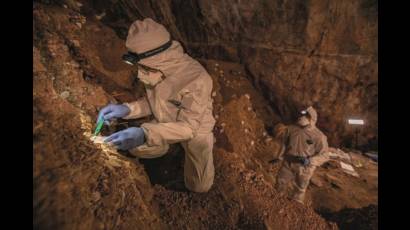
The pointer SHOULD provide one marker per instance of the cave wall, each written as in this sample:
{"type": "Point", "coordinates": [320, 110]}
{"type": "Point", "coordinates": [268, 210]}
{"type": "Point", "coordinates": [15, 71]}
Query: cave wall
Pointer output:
{"type": "Point", "coordinates": [78, 184]}
{"type": "Point", "coordinates": [321, 52]}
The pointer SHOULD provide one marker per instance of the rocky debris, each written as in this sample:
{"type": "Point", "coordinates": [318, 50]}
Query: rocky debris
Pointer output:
{"type": "Point", "coordinates": [337, 185]}
{"type": "Point", "coordinates": [235, 72]}
{"type": "Point", "coordinates": [72, 4]}
{"type": "Point", "coordinates": [334, 181]}
{"type": "Point", "coordinates": [358, 159]}
{"type": "Point", "coordinates": [78, 185]}
{"type": "Point", "coordinates": [316, 181]}
{"type": "Point", "coordinates": [76, 43]}
{"type": "Point", "coordinates": [224, 208]}
{"type": "Point", "coordinates": [77, 19]}
{"type": "Point", "coordinates": [268, 139]}
{"type": "Point", "coordinates": [347, 168]}
{"type": "Point", "coordinates": [335, 153]}
{"type": "Point", "coordinates": [65, 94]}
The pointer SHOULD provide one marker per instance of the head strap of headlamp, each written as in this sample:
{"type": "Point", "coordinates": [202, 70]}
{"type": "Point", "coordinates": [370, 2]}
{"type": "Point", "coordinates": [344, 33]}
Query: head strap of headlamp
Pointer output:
{"type": "Point", "coordinates": [152, 52]}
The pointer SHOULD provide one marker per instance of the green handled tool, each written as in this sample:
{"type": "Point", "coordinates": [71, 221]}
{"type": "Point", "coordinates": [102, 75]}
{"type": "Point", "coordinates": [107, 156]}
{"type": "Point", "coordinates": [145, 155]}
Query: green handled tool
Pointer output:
{"type": "Point", "coordinates": [100, 124]}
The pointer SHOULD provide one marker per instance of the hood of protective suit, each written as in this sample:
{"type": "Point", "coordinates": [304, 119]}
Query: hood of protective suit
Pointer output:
{"type": "Point", "coordinates": [147, 35]}
{"type": "Point", "coordinates": [313, 115]}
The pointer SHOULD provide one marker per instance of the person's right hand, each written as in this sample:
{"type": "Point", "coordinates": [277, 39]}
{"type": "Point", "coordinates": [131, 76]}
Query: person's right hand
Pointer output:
{"type": "Point", "coordinates": [128, 138]}
{"type": "Point", "coordinates": [113, 111]}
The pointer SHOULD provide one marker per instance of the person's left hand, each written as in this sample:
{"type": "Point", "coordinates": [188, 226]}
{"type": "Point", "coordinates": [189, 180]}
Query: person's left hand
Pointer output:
{"type": "Point", "coordinates": [128, 138]}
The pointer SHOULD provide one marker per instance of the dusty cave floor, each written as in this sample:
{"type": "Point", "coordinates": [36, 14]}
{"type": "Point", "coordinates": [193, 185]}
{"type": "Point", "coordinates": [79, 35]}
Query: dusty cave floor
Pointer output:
{"type": "Point", "coordinates": [79, 185]}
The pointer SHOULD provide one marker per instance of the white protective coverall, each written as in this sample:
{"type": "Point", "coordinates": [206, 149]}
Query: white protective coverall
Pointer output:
{"type": "Point", "coordinates": [179, 97]}
{"type": "Point", "coordinates": [300, 141]}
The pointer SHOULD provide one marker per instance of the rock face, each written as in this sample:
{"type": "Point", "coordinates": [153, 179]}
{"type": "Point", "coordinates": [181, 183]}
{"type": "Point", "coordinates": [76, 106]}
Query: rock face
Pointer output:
{"type": "Point", "coordinates": [320, 52]}
{"type": "Point", "coordinates": [78, 184]}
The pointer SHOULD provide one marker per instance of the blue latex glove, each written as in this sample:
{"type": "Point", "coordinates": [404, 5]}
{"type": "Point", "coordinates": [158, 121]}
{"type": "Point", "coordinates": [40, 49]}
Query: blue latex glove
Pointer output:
{"type": "Point", "coordinates": [128, 138]}
{"type": "Point", "coordinates": [306, 161]}
{"type": "Point", "coordinates": [113, 111]}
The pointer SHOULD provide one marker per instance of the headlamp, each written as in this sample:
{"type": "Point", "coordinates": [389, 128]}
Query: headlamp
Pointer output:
{"type": "Point", "coordinates": [130, 58]}
{"type": "Point", "coordinates": [304, 113]}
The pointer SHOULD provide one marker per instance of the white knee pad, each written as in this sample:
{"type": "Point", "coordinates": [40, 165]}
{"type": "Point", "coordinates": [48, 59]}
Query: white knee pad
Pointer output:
{"type": "Point", "coordinates": [147, 152]}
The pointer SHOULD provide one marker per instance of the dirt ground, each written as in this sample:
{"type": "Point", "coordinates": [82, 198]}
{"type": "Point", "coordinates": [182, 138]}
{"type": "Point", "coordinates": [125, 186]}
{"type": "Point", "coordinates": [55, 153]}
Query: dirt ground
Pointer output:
{"type": "Point", "coordinates": [80, 185]}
